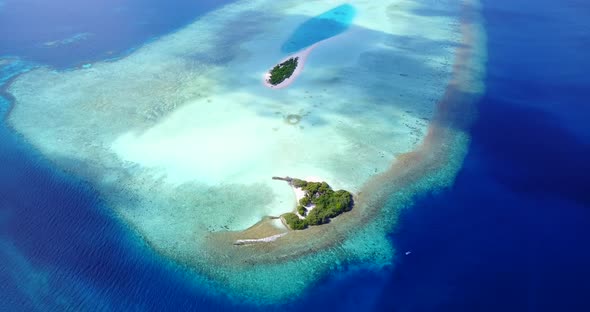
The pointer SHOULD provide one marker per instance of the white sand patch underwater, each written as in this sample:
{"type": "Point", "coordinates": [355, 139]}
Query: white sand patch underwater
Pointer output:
{"type": "Point", "coordinates": [182, 138]}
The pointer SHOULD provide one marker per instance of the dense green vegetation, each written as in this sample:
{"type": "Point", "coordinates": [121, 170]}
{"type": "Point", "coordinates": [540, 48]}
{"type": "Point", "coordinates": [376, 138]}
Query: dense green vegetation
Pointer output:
{"type": "Point", "coordinates": [302, 211]}
{"type": "Point", "coordinates": [283, 71]}
{"type": "Point", "coordinates": [294, 222]}
{"type": "Point", "coordinates": [328, 204]}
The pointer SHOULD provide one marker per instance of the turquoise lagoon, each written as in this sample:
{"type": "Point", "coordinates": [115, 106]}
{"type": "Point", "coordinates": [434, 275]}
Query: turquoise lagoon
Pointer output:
{"type": "Point", "coordinates": [181, 138]}
{"type": "Point", "coordinates": [326, 25]}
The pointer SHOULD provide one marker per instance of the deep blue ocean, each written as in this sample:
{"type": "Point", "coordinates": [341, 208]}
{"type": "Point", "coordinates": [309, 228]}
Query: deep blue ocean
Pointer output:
{"type": "Point", "coordinates": [512, 233]}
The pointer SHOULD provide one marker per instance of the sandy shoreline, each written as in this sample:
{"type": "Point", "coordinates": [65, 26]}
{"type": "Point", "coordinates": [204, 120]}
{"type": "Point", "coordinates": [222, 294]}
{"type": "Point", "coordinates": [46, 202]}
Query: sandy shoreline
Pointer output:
{"type": "Point", "coordinates": [259, 240]}
{"type": "Point", "coordinates": [300, 193]}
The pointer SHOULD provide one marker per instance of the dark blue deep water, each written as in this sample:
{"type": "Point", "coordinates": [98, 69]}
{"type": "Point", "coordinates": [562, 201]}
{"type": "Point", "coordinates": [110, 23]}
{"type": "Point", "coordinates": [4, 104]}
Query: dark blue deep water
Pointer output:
{"type": "Point", "coordinates": [66, 33]}
{"type": "Point", "coordinates": [512, 234]}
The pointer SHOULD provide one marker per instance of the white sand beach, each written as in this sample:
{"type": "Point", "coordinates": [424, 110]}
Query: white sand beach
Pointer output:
{"type": "Point", "coordinates": [259, 240]}
{"type": "Point", "coordinates": [300, 193]}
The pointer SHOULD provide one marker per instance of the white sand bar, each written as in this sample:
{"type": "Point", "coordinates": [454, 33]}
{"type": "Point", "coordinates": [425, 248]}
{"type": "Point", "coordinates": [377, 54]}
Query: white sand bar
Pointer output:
{"type": "Point", "coordinates": [259, 240]}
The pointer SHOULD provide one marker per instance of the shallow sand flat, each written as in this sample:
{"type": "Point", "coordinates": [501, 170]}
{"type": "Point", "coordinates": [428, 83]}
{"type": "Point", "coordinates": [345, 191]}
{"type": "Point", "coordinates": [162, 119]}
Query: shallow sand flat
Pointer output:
{"type": "Point", "coordinates": [182, 139]}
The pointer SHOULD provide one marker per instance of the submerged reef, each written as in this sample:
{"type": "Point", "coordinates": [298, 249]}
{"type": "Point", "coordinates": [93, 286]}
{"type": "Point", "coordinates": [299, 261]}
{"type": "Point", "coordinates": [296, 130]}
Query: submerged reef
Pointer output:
{"type": "Point", "coordinates": [66, 41]}
{"type": "Point", "coordinates": [176, 142]}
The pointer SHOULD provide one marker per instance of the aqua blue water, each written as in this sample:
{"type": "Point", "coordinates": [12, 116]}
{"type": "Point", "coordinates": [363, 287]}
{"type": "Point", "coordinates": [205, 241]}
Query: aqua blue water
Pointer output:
{"type": "Point", "coordinates": [326, 25]}
{"type": "Point", "coordinates": [510, 235]}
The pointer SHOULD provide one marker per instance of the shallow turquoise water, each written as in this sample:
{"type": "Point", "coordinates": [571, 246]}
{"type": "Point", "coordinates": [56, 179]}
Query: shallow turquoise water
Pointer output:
{"type": "Point", "coordinates": [85, 110]}
{"type": "Point", "coordinates": [326, 25]}
{"type": "Point", "coordinates": [62, 250]}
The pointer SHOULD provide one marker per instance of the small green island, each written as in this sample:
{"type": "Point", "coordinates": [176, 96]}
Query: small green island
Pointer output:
{"type": "Point", "coordinates": [283, 71]}
{"type": "Point", "coordinates": [320, 204]}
